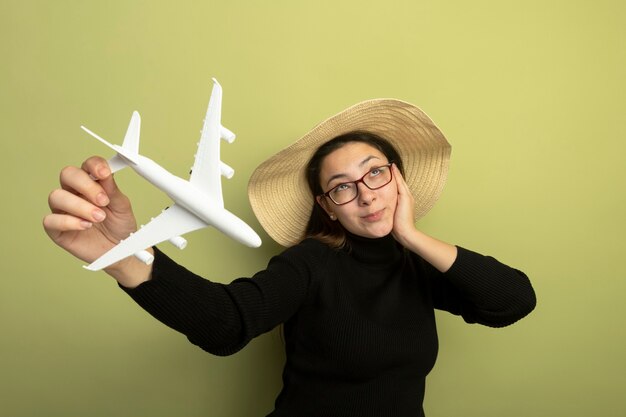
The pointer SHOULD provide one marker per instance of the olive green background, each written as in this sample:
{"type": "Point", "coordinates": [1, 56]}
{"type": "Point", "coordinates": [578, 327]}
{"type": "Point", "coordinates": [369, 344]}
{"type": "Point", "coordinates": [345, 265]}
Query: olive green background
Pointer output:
{"type": "Point", "coordinates": [530, 94]}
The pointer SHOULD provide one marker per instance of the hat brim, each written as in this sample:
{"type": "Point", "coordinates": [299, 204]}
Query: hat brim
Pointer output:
{"type": "Point", "coordinates": [278, 190]}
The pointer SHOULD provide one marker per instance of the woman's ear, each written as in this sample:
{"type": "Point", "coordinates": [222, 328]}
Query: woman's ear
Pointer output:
{"type": "Point", "coordinates": [321, 200]}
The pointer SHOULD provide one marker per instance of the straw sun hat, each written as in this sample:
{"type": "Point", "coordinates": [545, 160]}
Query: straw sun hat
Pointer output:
{"type": "Point", "coordinates": [278, 190]}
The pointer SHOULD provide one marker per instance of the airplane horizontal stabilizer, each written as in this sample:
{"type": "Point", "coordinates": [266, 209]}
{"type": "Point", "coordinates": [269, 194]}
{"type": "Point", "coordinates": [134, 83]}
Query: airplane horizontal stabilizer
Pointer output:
{"type": "Point", "coordinates": [129, 155]}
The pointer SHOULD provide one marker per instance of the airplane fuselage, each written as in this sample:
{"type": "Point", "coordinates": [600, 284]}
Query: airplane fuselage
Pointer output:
{"type": "Point", "coordinates": [188, 196]}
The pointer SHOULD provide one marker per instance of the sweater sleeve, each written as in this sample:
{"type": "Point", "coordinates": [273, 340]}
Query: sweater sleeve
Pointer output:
{"type": "Point", "coordinates": [483, 290]}
{"type": "Point", "coordinates": [223, 318]}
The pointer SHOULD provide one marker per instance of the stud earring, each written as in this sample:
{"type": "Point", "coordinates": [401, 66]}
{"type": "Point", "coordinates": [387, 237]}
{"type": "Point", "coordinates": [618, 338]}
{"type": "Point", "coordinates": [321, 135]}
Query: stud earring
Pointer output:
{"type": "Point", "coordinates": [332, 217]}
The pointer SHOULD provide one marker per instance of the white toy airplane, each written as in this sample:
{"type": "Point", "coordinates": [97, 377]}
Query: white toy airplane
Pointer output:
{"type": "Point", "coordinates": [197, 203]}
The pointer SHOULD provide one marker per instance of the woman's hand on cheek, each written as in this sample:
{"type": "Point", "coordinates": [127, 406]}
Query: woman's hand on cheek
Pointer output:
{"type": "Point", "coordinates": [439, 254]}
{"type": "Point", "coordinates": [404, 217]}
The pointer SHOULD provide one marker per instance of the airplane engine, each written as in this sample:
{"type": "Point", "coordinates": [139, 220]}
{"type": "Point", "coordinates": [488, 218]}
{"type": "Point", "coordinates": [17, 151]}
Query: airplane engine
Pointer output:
{"type": "Point", "coordinates": [145, 257]}
{"type": "Point", "coordinates": [178, 241]}
{"type": "Point", "coordinates": [226, 171]}
{"type": "Point", "coordinates": [227, 135]}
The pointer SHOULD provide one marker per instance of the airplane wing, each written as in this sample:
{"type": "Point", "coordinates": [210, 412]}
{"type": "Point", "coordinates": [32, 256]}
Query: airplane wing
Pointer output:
{"type": "Point", "coordinates": [172, 222]}
{"type": "Point", "coordinates": [206, 171]}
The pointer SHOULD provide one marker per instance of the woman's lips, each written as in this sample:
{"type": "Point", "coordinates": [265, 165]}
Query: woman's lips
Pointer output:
{"type": "Point", "coordinates": [373, 217]}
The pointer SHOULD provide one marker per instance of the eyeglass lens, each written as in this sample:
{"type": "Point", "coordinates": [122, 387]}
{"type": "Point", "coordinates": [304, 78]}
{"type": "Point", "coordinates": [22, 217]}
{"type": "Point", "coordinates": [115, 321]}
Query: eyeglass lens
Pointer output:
{"type": "Point", "coordinates": [376, 178]}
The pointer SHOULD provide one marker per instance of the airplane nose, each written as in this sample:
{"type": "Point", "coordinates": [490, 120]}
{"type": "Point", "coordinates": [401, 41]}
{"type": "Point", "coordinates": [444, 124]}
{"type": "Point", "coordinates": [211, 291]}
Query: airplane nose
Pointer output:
{"type": "Point", "coordinates": [254, 241]}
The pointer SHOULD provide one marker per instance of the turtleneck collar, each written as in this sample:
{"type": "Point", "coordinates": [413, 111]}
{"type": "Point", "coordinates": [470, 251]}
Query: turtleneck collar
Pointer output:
{"type": "Point", "coordinates": [373, 251]}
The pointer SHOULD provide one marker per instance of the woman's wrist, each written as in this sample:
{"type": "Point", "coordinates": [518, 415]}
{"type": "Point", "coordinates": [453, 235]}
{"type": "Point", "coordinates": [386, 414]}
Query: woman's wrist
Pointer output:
{"type": "Point", "coordinates": [439, 254]}
{"type": "Point", "coordinates": [131, 272]}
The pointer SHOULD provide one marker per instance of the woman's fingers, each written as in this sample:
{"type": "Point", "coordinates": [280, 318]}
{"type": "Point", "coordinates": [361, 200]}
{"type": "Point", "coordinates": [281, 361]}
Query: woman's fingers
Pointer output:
{"type": "Point", "coordinates": [56, 224]}
{"type": "Point", "coordinates": [77, 204]}
{"type": "Point", "coordinates": [403, 188]}
{"type": "Point", "coordinates": [65, 202]}
{"type": "Point", "coordinates": [79, 181]}
{"type": "Point", "coordinates": [97, 167]}
{"type": "Point", "coordinates": [405, 205]}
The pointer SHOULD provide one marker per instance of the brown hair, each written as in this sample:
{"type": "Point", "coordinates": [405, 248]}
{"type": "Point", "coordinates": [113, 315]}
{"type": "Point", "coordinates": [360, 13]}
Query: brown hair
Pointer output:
{"type": "Point", "coordinates": [319, 225]}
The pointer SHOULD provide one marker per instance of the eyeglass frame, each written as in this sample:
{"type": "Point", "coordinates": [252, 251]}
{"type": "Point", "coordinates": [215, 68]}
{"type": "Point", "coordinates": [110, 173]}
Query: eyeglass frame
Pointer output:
{"type": "Point", "coordinates": [356, 184]}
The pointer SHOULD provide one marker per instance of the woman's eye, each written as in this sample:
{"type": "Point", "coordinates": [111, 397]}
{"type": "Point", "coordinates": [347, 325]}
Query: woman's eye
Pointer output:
{"type": "Point", "coordinates": [341, 187]}
{"type": "Point", "coordinates": [378, 171]}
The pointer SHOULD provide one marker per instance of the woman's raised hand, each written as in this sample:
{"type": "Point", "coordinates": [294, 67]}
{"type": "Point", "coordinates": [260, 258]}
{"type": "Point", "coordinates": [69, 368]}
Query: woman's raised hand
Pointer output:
{"type": "Point", "coordinates": [404, 218]}
{"type": "Point", "coordinates": [89, 214]}
{"type": "Point", "coordinates": [439, 254]}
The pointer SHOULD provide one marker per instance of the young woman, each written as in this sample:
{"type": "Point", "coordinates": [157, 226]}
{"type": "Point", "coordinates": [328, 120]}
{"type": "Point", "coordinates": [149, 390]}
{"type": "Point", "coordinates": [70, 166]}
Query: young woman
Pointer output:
{"type": "Point", "coordinates": [356, 286]}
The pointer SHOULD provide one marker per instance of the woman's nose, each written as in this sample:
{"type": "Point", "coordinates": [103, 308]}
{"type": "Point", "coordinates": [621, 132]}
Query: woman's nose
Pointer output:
{"type": "Point", "coordinates": [366, 196]}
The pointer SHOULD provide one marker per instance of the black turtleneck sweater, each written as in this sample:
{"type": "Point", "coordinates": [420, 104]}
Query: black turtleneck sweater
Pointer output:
{"type": "Point", "coordinates": [359, 322]}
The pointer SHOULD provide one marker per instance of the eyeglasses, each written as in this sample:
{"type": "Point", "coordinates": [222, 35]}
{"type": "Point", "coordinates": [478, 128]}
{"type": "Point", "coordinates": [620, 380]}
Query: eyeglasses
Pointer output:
{"type": "Point", "coordinates": [374, 179]}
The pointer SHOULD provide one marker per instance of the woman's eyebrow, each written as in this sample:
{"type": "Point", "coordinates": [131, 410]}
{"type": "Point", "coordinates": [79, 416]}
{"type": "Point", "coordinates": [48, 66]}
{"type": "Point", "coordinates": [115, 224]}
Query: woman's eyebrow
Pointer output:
{"type": "Point", "coordinates": [366, 160]}
{"type": "Point", "coordinates": [342, 175]}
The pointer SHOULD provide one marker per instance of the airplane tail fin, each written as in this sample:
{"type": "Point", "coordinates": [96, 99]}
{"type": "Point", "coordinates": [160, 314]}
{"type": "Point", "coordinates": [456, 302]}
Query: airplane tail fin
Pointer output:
{"type": "Point", "coordinates": [128, 152]}
{"type": "Point", "coordinates": [131, 139]}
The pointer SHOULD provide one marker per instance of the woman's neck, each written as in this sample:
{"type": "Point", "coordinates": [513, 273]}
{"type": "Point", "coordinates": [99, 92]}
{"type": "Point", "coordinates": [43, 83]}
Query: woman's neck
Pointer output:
{"type": "Point", "coordinates": [376, 251]}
